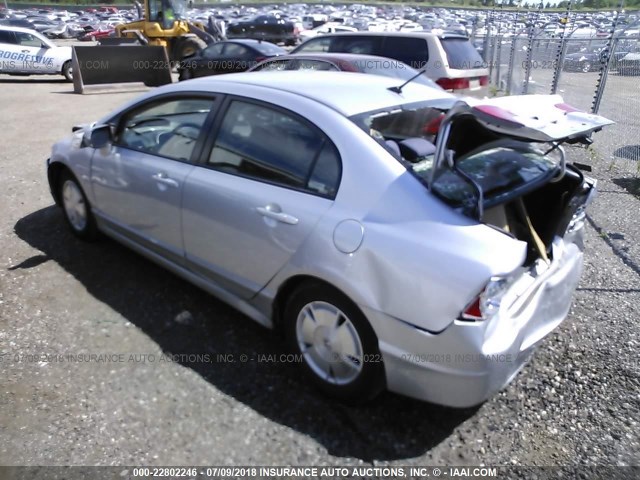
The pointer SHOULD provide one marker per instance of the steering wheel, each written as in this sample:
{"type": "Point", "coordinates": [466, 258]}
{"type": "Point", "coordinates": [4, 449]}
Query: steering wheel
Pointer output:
{"type": "Point", "coordinates": [180, 130]}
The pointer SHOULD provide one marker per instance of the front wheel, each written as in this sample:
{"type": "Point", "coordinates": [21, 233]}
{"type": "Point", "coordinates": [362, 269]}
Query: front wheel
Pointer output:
{"type": "Point", "coordinates": [338, 348]}
{"type": "Point", "coordinates": [586, 67]}
{"type": "Point", "coordinates": [67, 71]}
{"type": "Point", "coordinates": [76, 208]}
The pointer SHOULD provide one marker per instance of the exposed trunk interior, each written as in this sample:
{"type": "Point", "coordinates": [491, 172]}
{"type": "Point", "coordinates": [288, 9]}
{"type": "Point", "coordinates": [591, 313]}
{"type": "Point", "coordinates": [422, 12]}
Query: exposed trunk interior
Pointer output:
{"type": "Point", "coordinates": [536, 216]}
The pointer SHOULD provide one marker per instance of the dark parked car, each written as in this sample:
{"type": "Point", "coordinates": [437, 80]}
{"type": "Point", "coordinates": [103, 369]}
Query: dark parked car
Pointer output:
{"type": "Point", "coordinates": [346, 62]}
{"type": "Point", "coordinates": [629, 64]}
{"type": "Point", "coordinates": [272, 28]}
{"type": "Point", "coordinates": [589, 61]}
{"type": "Point", "coordinates": [230, 56]}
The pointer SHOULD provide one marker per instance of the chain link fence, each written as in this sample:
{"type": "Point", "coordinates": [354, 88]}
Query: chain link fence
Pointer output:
{"type": "Point", "coordinates": [599, 74]}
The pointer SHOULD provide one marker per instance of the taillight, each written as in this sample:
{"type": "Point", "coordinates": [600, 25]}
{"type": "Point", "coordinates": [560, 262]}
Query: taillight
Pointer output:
{"type": "Point", "coordinates": [260, 59]}
{"type": "Point", "coordinates": [484, 81]}
{"type": "Point", "coordinates": [472, 312]}
{"type": "Point", "coordinates": [453, 83]}
{"type": "Point", "coordinates": [486, 305]}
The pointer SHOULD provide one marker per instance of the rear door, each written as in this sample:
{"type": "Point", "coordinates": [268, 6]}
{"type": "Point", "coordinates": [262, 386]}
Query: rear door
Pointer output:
{"type": "Point", "coordinates": [264, 182]}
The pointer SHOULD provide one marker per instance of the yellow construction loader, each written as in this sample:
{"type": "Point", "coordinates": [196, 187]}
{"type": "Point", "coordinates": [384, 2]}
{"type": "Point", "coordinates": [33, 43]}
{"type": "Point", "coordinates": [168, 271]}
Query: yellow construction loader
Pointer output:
{"type": "Point", "coordinates": [164, 23]}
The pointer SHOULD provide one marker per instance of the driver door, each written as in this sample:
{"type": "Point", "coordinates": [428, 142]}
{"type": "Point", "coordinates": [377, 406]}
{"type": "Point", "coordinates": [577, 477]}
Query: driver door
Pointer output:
{"type": "Point", "coordinates": [138, 180]}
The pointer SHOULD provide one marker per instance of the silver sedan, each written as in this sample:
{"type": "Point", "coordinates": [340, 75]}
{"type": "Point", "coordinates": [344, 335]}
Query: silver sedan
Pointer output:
{"type": "Point", "coordinates": [399, 237]}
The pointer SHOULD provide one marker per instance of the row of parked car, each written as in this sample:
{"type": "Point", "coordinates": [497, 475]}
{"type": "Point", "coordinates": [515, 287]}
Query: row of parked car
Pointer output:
{"type": "Point", "coordinates": [293, 22]}
{"type": "Point", "coordinates": [450, 61]}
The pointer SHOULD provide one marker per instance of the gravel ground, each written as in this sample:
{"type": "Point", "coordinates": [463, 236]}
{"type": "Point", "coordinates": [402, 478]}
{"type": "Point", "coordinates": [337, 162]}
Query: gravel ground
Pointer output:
{"type": "Point", "coordinates": [576, 403]}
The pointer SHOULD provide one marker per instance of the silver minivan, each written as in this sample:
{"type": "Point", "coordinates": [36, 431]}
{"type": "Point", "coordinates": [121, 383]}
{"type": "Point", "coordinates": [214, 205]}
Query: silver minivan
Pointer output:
{"type": "Point", "coordinates": [450, 60]}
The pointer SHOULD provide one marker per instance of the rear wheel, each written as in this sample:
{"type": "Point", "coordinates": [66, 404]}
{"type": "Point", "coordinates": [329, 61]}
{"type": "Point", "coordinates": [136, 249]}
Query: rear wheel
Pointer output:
{"type": "Point", "coordinates": [67, 71]}
{"type": "Point", "coordinates": [338, 347]}
{"type": "Point", "coordinates": [76, 208]}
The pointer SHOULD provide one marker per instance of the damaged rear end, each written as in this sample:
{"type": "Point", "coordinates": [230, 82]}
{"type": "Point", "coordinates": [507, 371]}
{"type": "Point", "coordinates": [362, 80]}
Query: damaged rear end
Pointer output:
{"type": "Point", "coordinates": [502, 163]}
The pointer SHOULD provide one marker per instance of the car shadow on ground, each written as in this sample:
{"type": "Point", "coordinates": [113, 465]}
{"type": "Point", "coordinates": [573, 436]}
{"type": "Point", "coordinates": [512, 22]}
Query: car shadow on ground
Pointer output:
{"type": "Point", "coordinates": [26, 79]}
{"type": "Point", "coordinates": [630, 152]}
{"type": "Point", "coordinates": [631, 185]}
{"type": "Point", "coordinates": [182, 319]}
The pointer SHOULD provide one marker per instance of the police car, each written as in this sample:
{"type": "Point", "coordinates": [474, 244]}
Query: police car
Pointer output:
{"type": "Point", "coordinates": [27, 52]}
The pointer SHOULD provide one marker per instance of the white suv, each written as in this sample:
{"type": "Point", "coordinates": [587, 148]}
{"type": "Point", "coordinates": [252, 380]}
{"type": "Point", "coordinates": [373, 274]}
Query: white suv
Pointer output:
{"type": "Point", "coordinates": [27, 52]}
{"type": "Point", "coordinates": [450, 60]}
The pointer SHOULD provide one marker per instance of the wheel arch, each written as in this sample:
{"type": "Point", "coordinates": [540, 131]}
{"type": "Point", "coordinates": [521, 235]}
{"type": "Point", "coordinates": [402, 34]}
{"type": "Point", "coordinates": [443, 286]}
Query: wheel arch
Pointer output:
{"type": "Point", "coordinates": [294, 283]}
{"type": "Point", "coordinates": [54, 172]}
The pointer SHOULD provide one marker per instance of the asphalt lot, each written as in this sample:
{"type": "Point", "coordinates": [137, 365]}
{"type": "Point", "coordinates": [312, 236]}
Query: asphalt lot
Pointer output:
{"type": "Point", "coordinates": [576, 403]}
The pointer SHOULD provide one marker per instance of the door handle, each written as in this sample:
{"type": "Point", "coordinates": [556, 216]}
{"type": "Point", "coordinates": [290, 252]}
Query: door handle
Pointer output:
{"type": "Point", "coordinates": [164, 178]}
{"type": "Point", "coordinates": [269, 212]}
{"type": "Point", "coordinates": [25, 51]}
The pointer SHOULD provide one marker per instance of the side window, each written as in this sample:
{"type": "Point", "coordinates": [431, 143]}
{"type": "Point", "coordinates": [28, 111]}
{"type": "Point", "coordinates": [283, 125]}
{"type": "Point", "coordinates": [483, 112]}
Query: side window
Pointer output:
{"type": "Point", "coordinates": [412, 51]}
{"type": "Point", "coordinates": [366, 45]}
{"type": "Point", "coordinates": [28, 40]}
{"type": "Point", "coordinates": [213, 51]}
{"type": "Point", "coordinates": [7, 37]}
{"type": "Point", "coordinates": [168, 128]}
{"type": "Point", "coordinates": [233, 50]}
{"type": "Point", "coordinates": [325, 175]}
{"type": "Point", "coordinates": [316, 45]}
{"type": "Point", "coordinates": [269, 145]}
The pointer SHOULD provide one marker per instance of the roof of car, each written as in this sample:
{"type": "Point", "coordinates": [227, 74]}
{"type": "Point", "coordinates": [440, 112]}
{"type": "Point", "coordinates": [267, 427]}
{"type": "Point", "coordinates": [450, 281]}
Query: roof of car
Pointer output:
{"type": "Point", "coordinates": [329, 56]}
{"type": "Point", "coordinates": [17, 29]}
{"type": "Point", "coordinates": [349, 94]}
{"type": "Point", "coordinates": [391, 34]}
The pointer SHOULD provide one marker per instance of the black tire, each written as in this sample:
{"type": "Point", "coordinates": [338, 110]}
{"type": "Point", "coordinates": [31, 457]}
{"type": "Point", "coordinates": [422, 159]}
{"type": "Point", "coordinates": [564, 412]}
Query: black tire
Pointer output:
{"type": "Point", "coordinates": [185, 74]}
{"type": "Point", "coordinates": [69, 187]}
{"type": "Point", "coordinates": [369, 379]}
{"type": "Point", "coordinates": [186, 47]}
{"type": "Point", "coordinates": [585, 67]}
{"type": "Point", "coordinates": [67, 71]}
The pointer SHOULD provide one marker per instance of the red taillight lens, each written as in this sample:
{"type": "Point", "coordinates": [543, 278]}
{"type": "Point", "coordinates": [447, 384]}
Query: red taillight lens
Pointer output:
{"type": "Point", "coordinates": [259, 59]}
{"type": "Point", "coordinates": [453, 83]}
{"type": "Point", "coordinates": [472, 312]}
{"type": "Point", "coordinates": [484, 81]}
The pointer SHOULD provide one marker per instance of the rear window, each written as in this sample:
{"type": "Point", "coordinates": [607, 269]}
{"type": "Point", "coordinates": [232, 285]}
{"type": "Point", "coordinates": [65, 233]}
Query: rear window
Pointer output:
{"type": "Point", "coordinates": [461, 54]}
{"type": "Point", "coordinates": [496, 169]}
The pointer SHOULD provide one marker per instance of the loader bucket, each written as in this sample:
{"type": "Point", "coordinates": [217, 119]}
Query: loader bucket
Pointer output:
{"type": "Point", "coordinates": [120, 64]}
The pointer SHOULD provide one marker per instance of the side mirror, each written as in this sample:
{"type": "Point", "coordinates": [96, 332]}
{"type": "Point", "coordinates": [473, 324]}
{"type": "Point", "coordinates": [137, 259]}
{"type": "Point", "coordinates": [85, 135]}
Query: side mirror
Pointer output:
{"type": "Point", "coordinates": [101, 136]}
